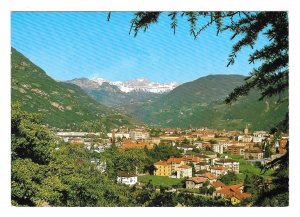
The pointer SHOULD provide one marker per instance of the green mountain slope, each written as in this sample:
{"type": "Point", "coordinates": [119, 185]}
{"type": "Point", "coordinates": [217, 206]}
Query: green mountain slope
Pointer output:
{"type": "Point", "coordinates": [62, 105]}
{"type": "Point", "coordinates": [200, 104]}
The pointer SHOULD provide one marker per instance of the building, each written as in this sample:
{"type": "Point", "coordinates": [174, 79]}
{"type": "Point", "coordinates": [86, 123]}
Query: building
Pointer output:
{"type": "Point", "coordinates": [139, 134]}
{"type": "Point", "coordinates": [185, 149]}
{"type": "Point", "coordinates": [218, 148]}
{"type": "Point", "coordinates": [218, 185]}
{"type": "Point", "coordinates": [245, 138]}
{"type": "Point", "coordinates": [77, 141]}
{"type": "Point", "coordinates": [163, 168]}
{"type": "Point", "coordinates": [121, 135]}
{"type": "Point", "coordinates": [236, 149]}
{"type": "Point", "coordinates": [135, 144]}
{"type": "Point", "coordinates": [254, 153]}
{"type": "Point", "coordinates": [234, 193]}
{"type": "Point", "coordinates": [209, 176]}
{"type": "Point", "coordinates": [175, 163]}
{"type": "Point", "coordinates": [229, 164]}
{"type": "Point", "coordinates": [202, 166]}
{"type": "Point", "coordinates": [206, 145]}
{"type": "Point", "coordinates": [246, 131]}
{"type": "Point", "coordinates": [195, 182]}
{"type": "Point", "coordinates": [127, 178]}
{"type": "Point", "coordinates": [184, 171]}
{"type": "Point", "coordinates": [197, 144]}
{"type": "Point", "coordinates": [261, 134]}
{"type": "Point", "coordinates": [256, 139]}
{"type": "Point", "coordinates": [225, 143]}
{"type": "Point", "coordinates": [218, 170]}
{"type": "Point", "coordinates": [191, 159]}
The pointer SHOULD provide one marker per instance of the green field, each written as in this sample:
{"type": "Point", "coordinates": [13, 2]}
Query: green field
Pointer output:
{"type": "Point", "coordinates": [159, 180]}
{"type": "Point", "coordinates": [247, 168]}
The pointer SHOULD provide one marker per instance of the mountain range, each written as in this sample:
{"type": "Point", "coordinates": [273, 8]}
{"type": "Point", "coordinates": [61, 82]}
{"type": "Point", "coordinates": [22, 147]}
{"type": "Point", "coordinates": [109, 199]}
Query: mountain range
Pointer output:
{"type": "Point", "coordinates": [62, 104]}
{"type": "Point", "coordinates": [139, 84]}
{"type": "Point", "coordinates": [112, 94]}
{"type": "Point", "coordinates": [199, 103]}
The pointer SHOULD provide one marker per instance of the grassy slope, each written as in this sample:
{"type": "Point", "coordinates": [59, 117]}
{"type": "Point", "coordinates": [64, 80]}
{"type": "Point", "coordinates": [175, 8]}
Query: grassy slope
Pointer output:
{"type": "Point", "coordinates": [159, 180]}
{"type": "Point", "coordinates": [62, 105]}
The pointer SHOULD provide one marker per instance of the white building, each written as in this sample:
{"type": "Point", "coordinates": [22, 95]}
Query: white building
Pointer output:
{"type": "Point", "coordinates": [139, 134]}
{"type": "Point", "coordinates": [198, 144]}
{"type": "Point", "coordinates": [184, 171]}
{"type": "Point", "coordinates": [262, 134]}
{"type": "Point", "coordinates": [245, 138]}
{"type": "Point", "coordinates": [127, 178]}
{"type": "Point", "coordinates": [257, 139]}
{"type": "Point", "coordinates": [218, 170]}
{"type": "Point", "coordinates": [119, 135]}
{"type": "Point", "coordinates": [185, 149]}
{"type": "Point", "coordinates": [225, 144]}
{"type": "Point", "coordinates": [218, 148]}
{"type": "Point", "coordinates": [229, 165]}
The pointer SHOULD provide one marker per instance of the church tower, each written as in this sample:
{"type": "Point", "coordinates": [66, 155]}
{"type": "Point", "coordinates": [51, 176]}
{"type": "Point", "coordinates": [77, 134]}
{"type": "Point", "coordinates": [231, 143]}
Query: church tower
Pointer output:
{"type": "Point", "coordinates": [246, 130]}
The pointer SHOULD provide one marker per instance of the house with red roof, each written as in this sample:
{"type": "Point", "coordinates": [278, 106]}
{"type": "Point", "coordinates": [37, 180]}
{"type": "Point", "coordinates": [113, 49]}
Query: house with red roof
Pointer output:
{"type": "Point", "coordinates": [234, 193]}
{"type": "Point", "coordinates": [218, 185]}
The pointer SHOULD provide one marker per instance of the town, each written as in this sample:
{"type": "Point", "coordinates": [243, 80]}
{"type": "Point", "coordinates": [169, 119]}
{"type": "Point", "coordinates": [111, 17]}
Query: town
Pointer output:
{"type": "Point", "coordinates": [207, 156]}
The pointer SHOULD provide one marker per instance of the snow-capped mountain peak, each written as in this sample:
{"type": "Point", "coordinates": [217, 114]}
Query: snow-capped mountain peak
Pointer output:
{"type": "Point", "coordinates": [140, 84]}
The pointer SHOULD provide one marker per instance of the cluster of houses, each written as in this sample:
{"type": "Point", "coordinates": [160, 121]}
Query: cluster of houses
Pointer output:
{"type": "Point", "coordinates": [198, 170]}
{"type": "Point", "coordinates": [183, 167]}
{"type": "Point", "coordinates": [234, 193]}
{"type": "Point", "coordinates": [251, 146]}
{"type": "Point", "coordinates": [207, 172]}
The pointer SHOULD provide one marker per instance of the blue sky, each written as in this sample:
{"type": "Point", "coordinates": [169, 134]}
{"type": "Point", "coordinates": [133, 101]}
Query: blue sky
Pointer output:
{"type": "Point", "coordinates": [71, 45]}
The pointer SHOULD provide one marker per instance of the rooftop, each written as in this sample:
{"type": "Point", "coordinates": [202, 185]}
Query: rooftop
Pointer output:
{"type": "Point", "coordinates": [174, 160]}
{"type": "Point", "coordinates": [198, 180]}
{"type": "Point", "coordinates": [218, 184]}
{"type": "Point", "coordinates": [185, 167]}
{"type": "Point", "coordinates": [161, 163]}
{"type": "Point", "coordinates": [208, 175]}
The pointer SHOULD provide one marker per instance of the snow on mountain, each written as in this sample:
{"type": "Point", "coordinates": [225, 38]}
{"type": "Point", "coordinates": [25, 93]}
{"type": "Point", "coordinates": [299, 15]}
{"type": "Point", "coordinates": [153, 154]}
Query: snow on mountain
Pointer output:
{"type": "Point", "coordinates": [140, 84]}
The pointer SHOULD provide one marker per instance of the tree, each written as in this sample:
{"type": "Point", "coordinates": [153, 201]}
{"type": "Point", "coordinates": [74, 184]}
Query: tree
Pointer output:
{"type": "Point", "coordinates": [211, 190]}
{"type": "Point", "coordinates": [229, 178]}
{"type": "Point", "coordinates": [193, 168]}
{"type": "Point", "coordinates": [252, 183]}
{"type": "Point", "coordinates": [185, 142]}
{"type": "Point", "coordinates": [131, 160]}
{"type": "Point", "coordinates": [268, 151]}
{"type": "Point", "coordinates": [29, 138]}
{"type": "Point", "coordinates": [203, 190]}
{"type": "Point", "coordinates": [45, 171]}
{"type": "Point", "coordinates": [278, 193]}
